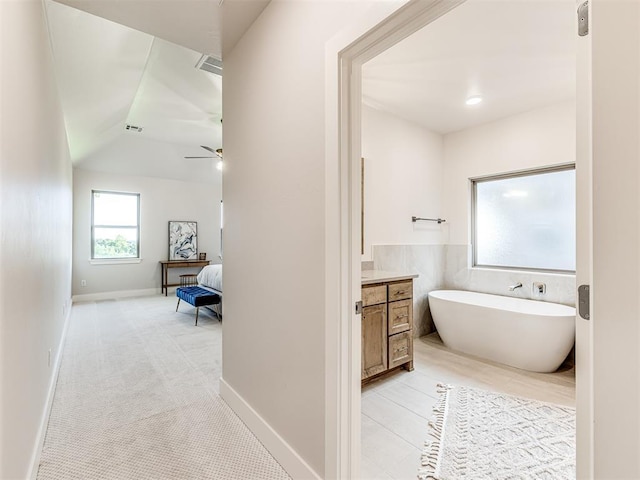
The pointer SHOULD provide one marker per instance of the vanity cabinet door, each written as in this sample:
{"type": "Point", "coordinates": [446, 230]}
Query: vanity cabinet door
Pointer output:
{"type": "Point", "coordinates": [401, 350]}
{"type": "Point", "coordinates": [374, 340]}
{"type": "Point", "coordinates": [400, 316]}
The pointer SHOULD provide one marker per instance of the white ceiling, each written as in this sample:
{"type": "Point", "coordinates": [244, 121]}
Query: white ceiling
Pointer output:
{"type": "Point", "coordinates": [133, 62]}
{"type": "Point", "coordinates": [519, 55]}
{"type": "Point", "coordinates": [176, 102]}
{"type": "Point", "coordinates": [207, 26]}
{"type": "Point", "coordinates": [110, 75]}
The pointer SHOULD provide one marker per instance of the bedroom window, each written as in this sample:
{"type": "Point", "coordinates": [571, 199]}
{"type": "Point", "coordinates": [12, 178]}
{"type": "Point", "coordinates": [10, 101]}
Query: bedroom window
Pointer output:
{"type": "Point", "coordinates": [115, 225]}
{"type": "Point", "coordinates": [526, 220]}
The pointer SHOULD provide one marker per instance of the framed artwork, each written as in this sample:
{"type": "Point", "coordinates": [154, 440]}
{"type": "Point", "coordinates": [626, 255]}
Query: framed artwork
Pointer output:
{"type": "Point", "coordinates": [183, 240]}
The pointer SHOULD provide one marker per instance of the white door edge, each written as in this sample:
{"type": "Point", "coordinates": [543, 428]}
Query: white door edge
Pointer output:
{"type": "Point", "coordinates": [584, 254]}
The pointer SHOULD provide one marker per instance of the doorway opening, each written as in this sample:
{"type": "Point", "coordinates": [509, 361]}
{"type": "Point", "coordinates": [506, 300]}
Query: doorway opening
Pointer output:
{"type": "Point", "coordinates": [377, 132]}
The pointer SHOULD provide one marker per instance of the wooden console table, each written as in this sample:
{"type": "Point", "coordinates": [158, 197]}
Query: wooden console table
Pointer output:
{"type": "Point", "coordinates": [167, 264]}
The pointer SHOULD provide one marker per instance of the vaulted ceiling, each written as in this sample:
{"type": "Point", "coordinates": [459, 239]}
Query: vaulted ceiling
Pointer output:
{"type": "Point", "coordinates": [137, 66]}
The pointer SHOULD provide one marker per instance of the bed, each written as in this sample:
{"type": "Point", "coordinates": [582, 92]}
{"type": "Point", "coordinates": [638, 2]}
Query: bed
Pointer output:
{"type": "Point", "coordinates": [210, 278]}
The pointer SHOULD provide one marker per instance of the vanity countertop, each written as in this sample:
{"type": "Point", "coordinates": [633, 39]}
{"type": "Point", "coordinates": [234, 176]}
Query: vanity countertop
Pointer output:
{"type": "Point", "coordinates": [379, 276]}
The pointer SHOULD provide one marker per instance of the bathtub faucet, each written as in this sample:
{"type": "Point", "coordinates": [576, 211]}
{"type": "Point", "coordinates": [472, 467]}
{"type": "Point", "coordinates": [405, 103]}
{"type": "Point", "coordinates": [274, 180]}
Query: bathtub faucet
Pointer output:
{"type": "Point", "coordinates": [513, 287]}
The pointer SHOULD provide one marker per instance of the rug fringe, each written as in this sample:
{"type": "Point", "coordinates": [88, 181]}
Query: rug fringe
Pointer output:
{"type": "Point", "coordinates": [431, 451]}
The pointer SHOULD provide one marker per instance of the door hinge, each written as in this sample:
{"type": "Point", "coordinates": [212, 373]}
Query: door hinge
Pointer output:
{"type": "Point", "coordinates": [583, 19]}
{"type": "Point", "coordinates": [583, 301]}
{"type": "Point", "coordinates": [359, 307]}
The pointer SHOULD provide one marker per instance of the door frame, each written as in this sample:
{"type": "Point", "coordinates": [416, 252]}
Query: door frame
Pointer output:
{"type": "Point", "coordinates": [585, 453]}
{"type": "Point", "coordinates": [408, 19]}
{"type": "Point", "coordinates": [400, 24]}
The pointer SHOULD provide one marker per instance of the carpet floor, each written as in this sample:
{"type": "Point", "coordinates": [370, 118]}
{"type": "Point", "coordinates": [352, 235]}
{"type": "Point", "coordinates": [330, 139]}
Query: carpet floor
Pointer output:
{"type": "Point", "coordinates": [477, 434]}
{"type": "Point", "coordinates": [137, 398]}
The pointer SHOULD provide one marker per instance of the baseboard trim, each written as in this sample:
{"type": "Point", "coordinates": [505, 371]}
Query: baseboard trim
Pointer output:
{"type": "Point", "coordinates": [44, 421]}
{"type": "Point", "coordinates": [295, 466]}
{"type": "Point", "coordinates": [92, 297]}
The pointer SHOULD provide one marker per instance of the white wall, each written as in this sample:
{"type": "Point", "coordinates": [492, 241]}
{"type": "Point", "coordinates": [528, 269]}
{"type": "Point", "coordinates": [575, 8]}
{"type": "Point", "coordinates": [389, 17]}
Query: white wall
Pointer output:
{"type": "Point", "coordinates": [35, 251]}
{"type": "Point", "coordinates": [533, 139]}
{"type": "Point", "coordinates": [403, 173]}
{"type": "Point", "coordinates": [403, 178]}
{"type": "Point", "coordinates": [616, 238]}
{"type": "Point", "coordinates": [274, 234]}
{"type": "Point", "coordinates": [276, 225]}
{"type": "Point", "coordinates": [161, 200]}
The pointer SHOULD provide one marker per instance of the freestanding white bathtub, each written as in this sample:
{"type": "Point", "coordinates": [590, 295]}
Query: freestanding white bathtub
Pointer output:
{"type": "Point", "coordinates": [527, 334]}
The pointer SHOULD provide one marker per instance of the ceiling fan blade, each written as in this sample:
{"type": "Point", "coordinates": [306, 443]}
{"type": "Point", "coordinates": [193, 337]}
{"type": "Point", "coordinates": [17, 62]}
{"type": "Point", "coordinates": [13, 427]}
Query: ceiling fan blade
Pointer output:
{"type": "Point", "coordinates": [209, 149]}
{"type": "Point", "coordinates": [198, 157]}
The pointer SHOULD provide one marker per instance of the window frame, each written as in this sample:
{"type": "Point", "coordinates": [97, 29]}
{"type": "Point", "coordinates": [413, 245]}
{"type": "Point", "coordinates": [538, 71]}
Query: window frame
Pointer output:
{"type": "Point", "coordinates": [94, 226]}
{"type": "Point", "coordinates": [474, 210]}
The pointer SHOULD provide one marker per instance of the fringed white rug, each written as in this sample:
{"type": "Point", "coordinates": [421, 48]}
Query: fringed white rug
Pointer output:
{"type": "Point", "coordinates": [476, 434]}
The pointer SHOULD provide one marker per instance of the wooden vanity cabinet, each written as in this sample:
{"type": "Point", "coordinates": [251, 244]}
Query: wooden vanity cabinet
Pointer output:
{"type": "Point", "coordinates": [387, 327]}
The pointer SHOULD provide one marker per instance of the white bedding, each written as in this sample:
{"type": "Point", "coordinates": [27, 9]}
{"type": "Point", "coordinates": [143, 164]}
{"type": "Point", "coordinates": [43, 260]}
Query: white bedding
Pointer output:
{"type": "Point", "coordinates": [211, 276]}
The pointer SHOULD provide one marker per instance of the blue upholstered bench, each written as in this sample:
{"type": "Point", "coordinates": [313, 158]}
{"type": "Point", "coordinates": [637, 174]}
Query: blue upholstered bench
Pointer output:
{"type": "Point", "coordinates": [196, 296]}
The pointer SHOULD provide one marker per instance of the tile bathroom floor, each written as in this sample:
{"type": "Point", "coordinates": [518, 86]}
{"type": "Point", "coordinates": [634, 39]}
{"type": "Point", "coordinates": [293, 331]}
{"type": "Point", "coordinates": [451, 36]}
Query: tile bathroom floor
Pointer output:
{"type": "Point", "coordinates": [396, 408]}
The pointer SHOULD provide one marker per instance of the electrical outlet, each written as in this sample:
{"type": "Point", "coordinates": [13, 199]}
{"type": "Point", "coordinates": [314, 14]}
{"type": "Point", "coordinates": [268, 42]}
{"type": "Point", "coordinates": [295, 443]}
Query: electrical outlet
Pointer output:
{"type": "Point", "coordinates": [49, 358]}
{"type": "Point", "coordinates": [83, 283]}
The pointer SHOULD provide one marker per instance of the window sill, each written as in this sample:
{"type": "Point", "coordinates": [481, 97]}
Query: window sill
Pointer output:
{"type": "Point", "coordinates": [525, 271]}
{"type": "Point", "coordinates": [113, 261]}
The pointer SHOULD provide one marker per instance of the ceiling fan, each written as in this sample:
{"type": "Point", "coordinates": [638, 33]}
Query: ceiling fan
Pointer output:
{"type": "Point", "coordinates": [217, 152]}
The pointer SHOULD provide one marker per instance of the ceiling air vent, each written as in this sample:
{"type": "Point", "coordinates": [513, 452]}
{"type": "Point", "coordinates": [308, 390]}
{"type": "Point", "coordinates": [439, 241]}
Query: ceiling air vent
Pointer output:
{"type": "Point", "coordinates": [133, 128]}
{"type": "Point", "coordinates": [210, 64]}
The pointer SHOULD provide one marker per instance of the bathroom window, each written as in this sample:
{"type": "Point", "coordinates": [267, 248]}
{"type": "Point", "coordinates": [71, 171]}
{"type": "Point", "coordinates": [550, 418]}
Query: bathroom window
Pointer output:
{"type": "Point", "coordinates": [526, 220]}
{"type": "Point", "coordinates": [115, 220]}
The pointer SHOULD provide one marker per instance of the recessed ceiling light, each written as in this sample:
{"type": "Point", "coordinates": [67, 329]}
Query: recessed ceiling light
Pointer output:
{"type": "Point", "coordinates": [475, 100]}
